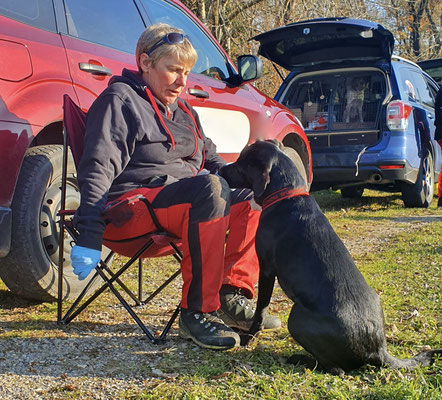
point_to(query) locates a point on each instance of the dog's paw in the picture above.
(245, 339)
(336, 371)
(303, 360)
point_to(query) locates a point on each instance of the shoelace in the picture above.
(209, 319)
(240, 299)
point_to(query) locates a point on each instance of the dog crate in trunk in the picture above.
(339, 107)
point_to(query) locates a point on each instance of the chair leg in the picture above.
(127, 306)
(94, 296)
(60, 273)
(170, 279)
(172, 319)
(114, 277)
(68, 317)
(140, 279)
(76, 308)
(73, 311)
(124, 287)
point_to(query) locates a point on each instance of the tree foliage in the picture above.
(415, 24)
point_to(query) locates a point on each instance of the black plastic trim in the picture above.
(5, 230)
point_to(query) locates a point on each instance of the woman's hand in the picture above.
(84, 260)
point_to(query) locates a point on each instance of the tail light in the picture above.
(398, 113)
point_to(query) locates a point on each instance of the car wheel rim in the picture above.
(428, 178)
(49, 229)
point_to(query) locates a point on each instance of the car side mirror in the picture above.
(249, 67)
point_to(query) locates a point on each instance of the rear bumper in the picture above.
(5, 230)
(365, 174)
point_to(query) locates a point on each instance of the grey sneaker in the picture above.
(207, 330)
(237, 312)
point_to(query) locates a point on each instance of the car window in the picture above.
(38, 13)
(435, 73)
(336, 101)
(433, 90)
(422, 89)
(112, 23)
(211, 61)
(415, 86)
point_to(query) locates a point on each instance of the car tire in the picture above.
(420, 194)
(30, 269)
(352, 192)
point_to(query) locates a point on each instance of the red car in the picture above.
(53, 47)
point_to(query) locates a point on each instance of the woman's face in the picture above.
(167, 78)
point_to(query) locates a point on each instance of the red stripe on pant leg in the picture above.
(212, 236)
(203, 258)
(241, 268)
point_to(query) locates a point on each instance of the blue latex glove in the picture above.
(84, 260)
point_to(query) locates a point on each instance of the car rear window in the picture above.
(337, 100)
(38, 13)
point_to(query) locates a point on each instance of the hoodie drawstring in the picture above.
(187, 111)
(158, 113)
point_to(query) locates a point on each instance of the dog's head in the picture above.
(265, 166)
(358, 84)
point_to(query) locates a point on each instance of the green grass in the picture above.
(399, 252)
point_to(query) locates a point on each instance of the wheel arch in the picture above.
(296, 142)
(50, 134)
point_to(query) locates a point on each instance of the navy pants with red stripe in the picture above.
(202, 210)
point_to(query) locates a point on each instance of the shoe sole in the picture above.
(232, 323)
(233, 326)
(183, 334)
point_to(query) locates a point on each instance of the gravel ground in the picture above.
(106, 357)
(100, 365)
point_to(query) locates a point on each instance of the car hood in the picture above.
(326, 41)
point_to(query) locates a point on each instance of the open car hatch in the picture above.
(326, 41)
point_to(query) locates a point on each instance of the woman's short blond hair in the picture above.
(184, 52)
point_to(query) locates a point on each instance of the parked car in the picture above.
(433, 68)
(369, 115)
(54, 47)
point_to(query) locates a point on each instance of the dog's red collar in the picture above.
(282, 194)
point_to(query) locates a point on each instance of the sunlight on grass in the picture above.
(399, 252)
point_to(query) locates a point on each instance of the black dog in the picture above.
(336, 316)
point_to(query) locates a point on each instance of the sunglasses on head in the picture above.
(170, 38)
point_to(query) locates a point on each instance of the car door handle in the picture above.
(202, 94)
(94, 69)
(430, 116)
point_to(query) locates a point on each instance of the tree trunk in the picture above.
(416, 10)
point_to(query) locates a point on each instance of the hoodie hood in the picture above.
(135, 81)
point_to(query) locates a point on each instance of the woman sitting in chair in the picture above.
(141, 139)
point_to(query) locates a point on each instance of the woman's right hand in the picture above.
(84, 260)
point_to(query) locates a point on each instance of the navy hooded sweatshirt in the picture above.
(132, 140)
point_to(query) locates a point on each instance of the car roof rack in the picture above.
(402, 59)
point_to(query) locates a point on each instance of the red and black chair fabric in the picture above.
(151, 244)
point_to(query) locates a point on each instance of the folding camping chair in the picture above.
(153, 244)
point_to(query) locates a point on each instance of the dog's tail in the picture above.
(424, 359)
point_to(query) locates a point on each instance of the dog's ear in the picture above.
(259, 176)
